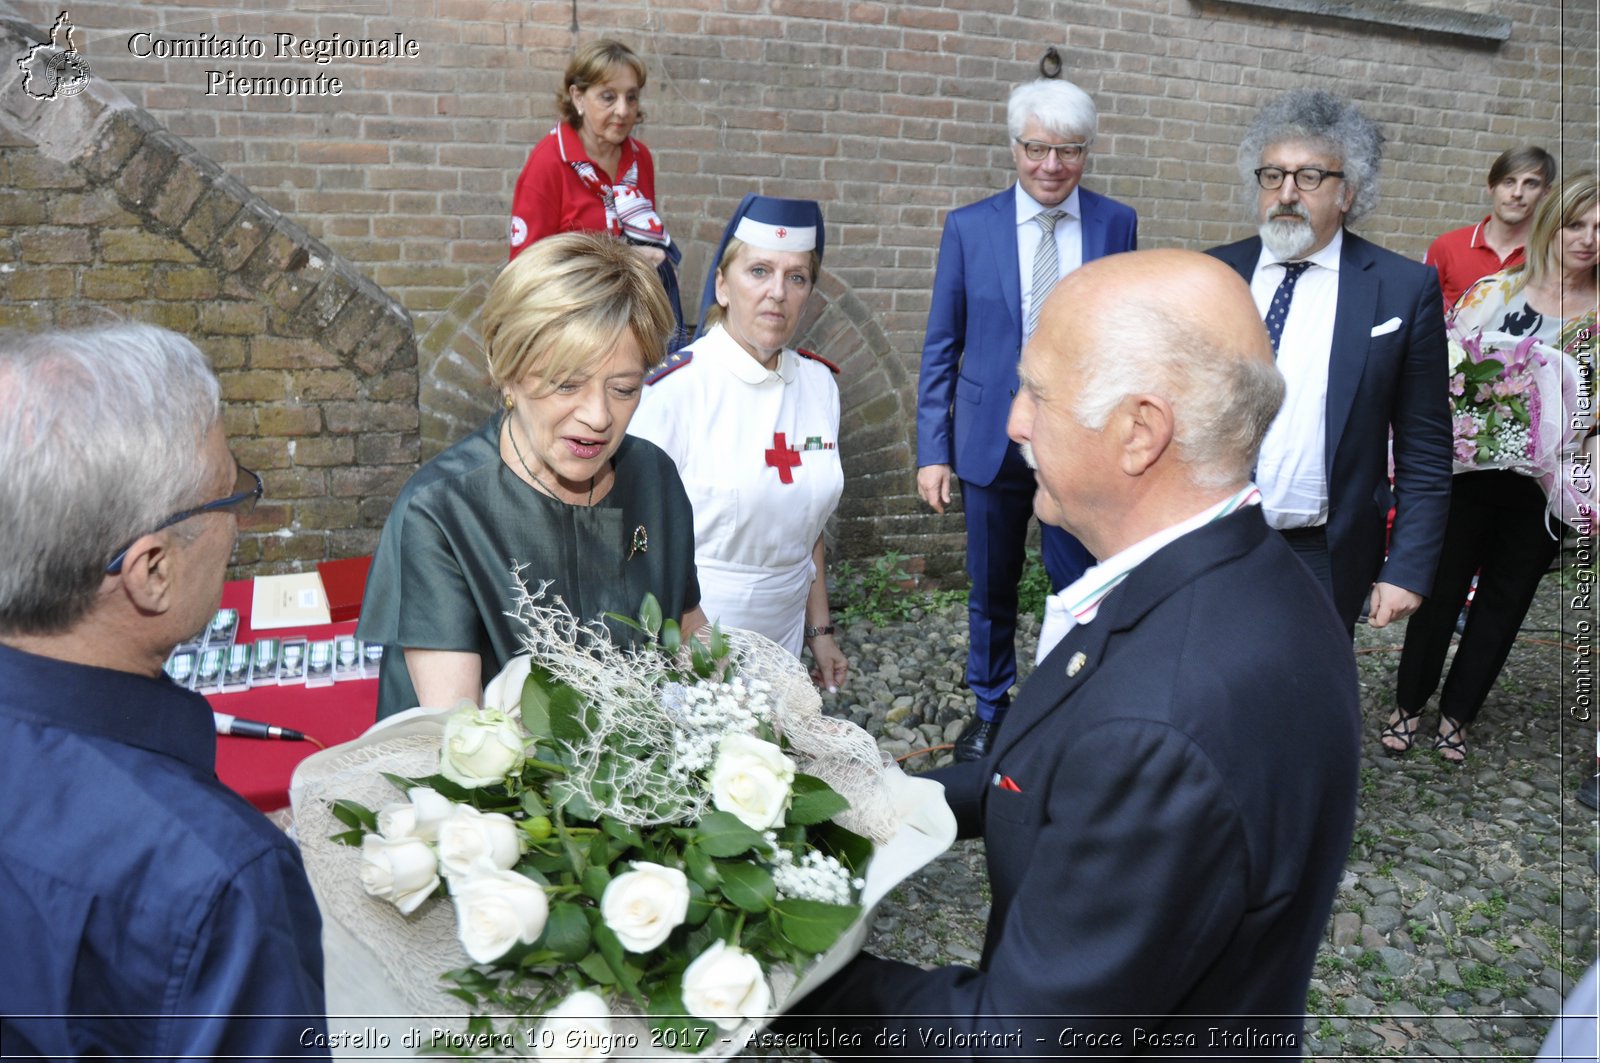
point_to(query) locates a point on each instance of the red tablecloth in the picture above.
(259, 768)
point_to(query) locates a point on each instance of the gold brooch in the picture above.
(1075, 665)
(641, 542)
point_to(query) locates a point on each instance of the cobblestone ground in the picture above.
(1467, 908)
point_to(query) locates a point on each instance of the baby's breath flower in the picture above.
(815, 876)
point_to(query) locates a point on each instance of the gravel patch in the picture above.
(1467, 908)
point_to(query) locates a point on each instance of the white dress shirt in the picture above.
(1069, 240)
(1292, 469)
(1078, 603)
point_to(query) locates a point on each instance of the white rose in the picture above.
(577, 1028)
(471, 841)
(643, 906)
(726, 985)
(751, 780)
(481, 747)
(418, 817)
(504, 691)
(402, 871)
(495, 910)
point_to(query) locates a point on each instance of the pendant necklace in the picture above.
(511, 433)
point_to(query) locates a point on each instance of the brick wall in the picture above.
(889, 113)
(106, 216)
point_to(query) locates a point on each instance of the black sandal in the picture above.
(1406, 738)
(1454, 742)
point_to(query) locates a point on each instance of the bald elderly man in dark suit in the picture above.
(1169, 806)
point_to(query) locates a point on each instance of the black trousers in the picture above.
(1497, 530)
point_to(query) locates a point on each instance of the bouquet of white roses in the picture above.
(648, 833)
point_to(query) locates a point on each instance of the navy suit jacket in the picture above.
(1399, 380)
(974, 338)
(1179, 795)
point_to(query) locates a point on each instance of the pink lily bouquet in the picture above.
(1497, 404)
(1512, 402)
(636, 852)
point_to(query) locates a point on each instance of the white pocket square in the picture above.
(1391, 325)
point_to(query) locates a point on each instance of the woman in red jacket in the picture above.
(590, 174)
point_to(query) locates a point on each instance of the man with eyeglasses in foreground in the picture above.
(150, 911)
(1358, 334)
(998, 259)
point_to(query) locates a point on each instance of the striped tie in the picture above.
(1046, 266)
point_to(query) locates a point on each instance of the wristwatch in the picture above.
(813, 632)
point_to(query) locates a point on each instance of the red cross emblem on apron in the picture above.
(783, 459)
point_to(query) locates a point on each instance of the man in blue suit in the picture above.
(1359, 336)
(998, 259)
(1168, 809)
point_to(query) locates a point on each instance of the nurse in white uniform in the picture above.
(753, 426)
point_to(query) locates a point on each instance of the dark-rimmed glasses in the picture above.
(247, 490)
(1306, 179)
(1036, 150)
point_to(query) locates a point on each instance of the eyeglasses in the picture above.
(1306, 179)
(1036, 150)
(247, 490)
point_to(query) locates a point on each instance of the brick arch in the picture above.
(454, 393)
(876, 401)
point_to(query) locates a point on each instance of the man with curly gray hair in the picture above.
(1359, 337)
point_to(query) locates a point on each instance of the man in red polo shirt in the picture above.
(1518, 179)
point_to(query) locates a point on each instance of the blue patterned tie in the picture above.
(1278, 311)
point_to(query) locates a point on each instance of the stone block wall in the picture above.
(889, 113)
(105, 216)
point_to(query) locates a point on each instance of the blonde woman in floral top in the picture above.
(1498, 525)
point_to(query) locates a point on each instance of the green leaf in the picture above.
(671, 638)
(611, 949)
(446, 788)
(575, 859)
(700, 658)
(348, 837)
(595, 880)
(813, 925)
(650, 614)
(626, 621)
(536, 703)
(597, 970)
(530, 869)
(566, 933)
(749, 886)
(813, 801)
(533, 804)
(719, 642)
(700, 905)
(402, 783)
(721, 924)
(624, 832)
(353, 815)
(721, 834)
(850, 848)
(568, 715)
(574, 804)
(701, 868)
(549, 863)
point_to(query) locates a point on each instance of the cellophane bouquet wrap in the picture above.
(629, 852)
(1514, 405)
